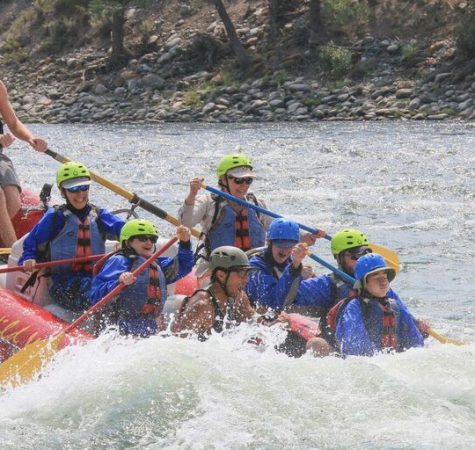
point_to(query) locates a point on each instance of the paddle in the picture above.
(443, 339)
(26, 363)
(57, 262)
(130, 196)
(391, 257)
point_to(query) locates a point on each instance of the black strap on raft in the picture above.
(29, 282)
(45, 194)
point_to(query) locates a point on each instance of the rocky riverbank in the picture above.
(391, 79)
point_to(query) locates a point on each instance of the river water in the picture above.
(409, 186)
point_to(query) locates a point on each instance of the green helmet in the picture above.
(346, 239)
(229, 162)
(227, 258)
(137, 227)
(72, 171)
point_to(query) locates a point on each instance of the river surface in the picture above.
(409, 186)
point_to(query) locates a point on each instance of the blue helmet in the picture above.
(368, 264)
(281, 230)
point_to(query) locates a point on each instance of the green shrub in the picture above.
(336, 60)
(344, 12)
(13, 52)
(192, 99)
(280, 77)
(409, 51)
(228, 78)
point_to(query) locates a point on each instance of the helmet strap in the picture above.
(78, 212)
(224, 285)
(225, 185)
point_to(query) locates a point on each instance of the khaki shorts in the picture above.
(8, 176)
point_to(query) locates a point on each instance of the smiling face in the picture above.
(235, 282)
(143, 245)
(377, 284)
(238, 187)
(281, 254)
(77, 199)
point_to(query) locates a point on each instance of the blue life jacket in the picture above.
(130, 303)
(223, 231)
(65, 244)
(132, 299)
(271, 286)
(359, 326)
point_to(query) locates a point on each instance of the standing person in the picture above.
(223, 303)
(138, 309)
(10, 202)
(223, 222)
(276, 281)
(74, 229)
(370, 321)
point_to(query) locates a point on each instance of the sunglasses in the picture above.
(152, 239)
(355, 255)
(75, 189)
(247, 180)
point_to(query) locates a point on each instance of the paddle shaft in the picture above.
(58, 262)
(119, 287)
(343, 275)
(258, 208)
(391, 257)
(130, 196)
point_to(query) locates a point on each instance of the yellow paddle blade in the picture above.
(26, 363)
(391, 258)
(443, 339)
(5, 251)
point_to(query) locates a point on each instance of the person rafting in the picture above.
(370, 321)
(138, 309)
(273, 287)
(223, 303)
(74, 229)
(10, 188)
(223, 222)
(318, 294)
(276, 281)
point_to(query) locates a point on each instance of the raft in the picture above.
(28, 316)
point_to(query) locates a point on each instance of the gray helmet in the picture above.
(228, 258)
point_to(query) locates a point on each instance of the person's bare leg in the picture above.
(319, 347)
(9, 205)
(13, 198)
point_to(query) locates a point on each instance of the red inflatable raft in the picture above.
(30, 213)
(22, 323)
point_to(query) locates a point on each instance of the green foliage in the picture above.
(312, 102)
(67, 8)
(448, 111)
(280, 76)
(409, 51)
(465, 35)
(344, 12)
(192, 99)
(336, 60)
(13, 52)
(228, 78)
(338, 84)
(24, 21)
(63, 23)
